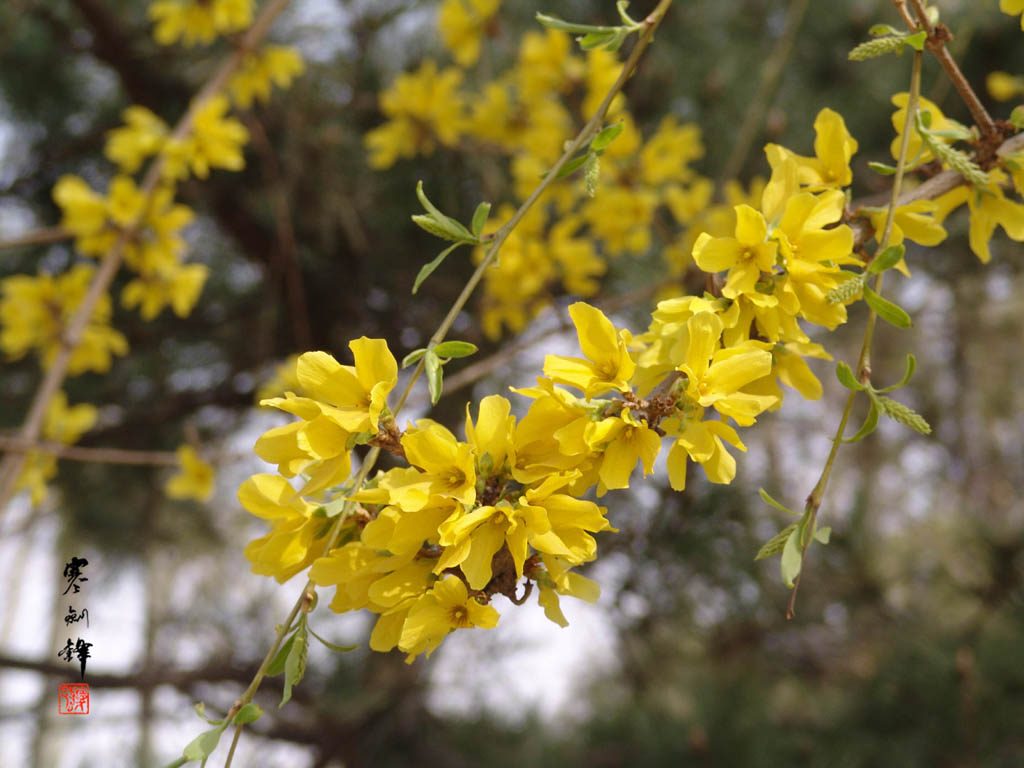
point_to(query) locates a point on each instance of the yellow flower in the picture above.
(423, 108)
(624, 441)
(701, 441)
(1003, 86)
(989, 208)
(215, 141)
(142, 136)
(913, 221)
(198, 21)
(1013, 7)
(462, 24)
(35, 313)
(177, 285)
(448, 464)
(444, 608)
(300, 531)
(745, 256)
(833, 148)
(715, 377)
(194, 481)
(274, 64)
(666, 156)
(607, 365)
(939, 122)
(62, 424)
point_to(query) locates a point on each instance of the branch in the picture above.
(39, 237)
(13, 463)
(97, 455)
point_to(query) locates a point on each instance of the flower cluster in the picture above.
(141, 220)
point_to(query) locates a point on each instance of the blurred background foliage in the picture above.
(909, 637)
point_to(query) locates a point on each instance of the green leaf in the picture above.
(435, 380)
(277, 663)
(553, 22)
(247, 714)
(596, 39)
(441, 229)
(571, 166)
(295, 664)
(769, 500)
(453, 229)
(887, 259)
(869, 424)
(823, 534)
(333, 646)
(452, 349)
(878, 30)
(886, 310)
(916, 41)
(621, 7)
(845, 375)
(480, 218)
(430, 266)
(413, 357)
(925, 118)
(792, 558)
(776, 543)
(882, 168)
(1017, 117)
(911, 366)
(847, 289)
(200, 709)
(203, 745)
(607, 135)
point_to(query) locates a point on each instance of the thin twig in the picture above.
(12, 463)
(938, 36)
(39, 237)
(95, 455)
(863, 370)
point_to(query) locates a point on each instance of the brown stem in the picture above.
(96, 455)
(39, 237)
(938, 36)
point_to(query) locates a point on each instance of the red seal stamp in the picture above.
(73, 699)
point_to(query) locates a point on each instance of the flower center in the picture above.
(458, 616)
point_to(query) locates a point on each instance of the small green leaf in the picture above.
(869, 424)
(848, 289)
(878, 30)
(413, 357)
(886, 310)
(911, 366)
(778, 505)
(295, 664)
(1017, 117)
(595, 40)
(571, 166)
(430, 266)
(553, 22)
(203, 745)
(925, 118)
(887, 259)
(277, 663)
(823, 534)
(333, 646)
(437, 223)
(435, 380)
(621, 7)
(775, 544)
(480, 218)
(247, 714)
(845, 375)
(916, 41)
(607, 135)
(882, 168)
(200, 709)
(452, 349)
(880, 46)
(792, 558)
